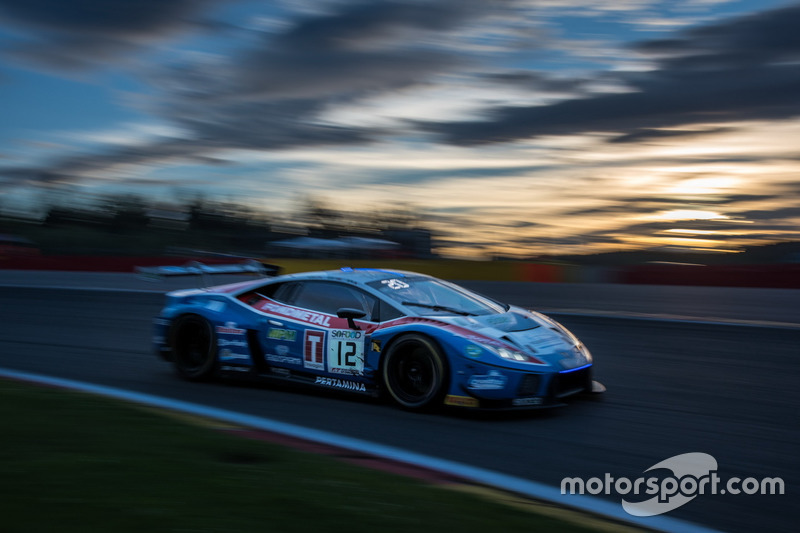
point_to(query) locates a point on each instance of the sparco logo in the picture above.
(345, 334)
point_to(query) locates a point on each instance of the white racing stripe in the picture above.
(531, 489)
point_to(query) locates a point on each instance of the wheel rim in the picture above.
(192, 346)
(413, 375)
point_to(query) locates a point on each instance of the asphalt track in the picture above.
(674, 387)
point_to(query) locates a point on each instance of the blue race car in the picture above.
(419, 340)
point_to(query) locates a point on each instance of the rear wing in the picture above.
(196, 268)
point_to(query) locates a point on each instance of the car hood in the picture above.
(527, 331)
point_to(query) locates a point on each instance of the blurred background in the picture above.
(564, 132)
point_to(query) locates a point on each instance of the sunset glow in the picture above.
(509, 129)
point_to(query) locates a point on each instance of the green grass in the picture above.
(74, 462)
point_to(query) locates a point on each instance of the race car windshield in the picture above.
(438, 308)
(436, 297)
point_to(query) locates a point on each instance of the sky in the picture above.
(511, 127)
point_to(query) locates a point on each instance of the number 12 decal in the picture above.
(346, 358)
(346, 351)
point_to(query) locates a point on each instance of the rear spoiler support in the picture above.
(196, 268)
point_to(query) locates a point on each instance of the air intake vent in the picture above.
(529, 385)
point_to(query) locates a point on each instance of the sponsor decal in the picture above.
(283, 359)
(460, 401)
(281, 349)
(227, 342)
(337, 383)
(346, 352)
(346, 334)
(229, 368)
(473, 352)
(230, 329)
(543, 340)
(395, 284)
(494, 380)
(314, 354)
(282, 334)
(227, 355)
(496, 320)
(376, 346)
(526, 401)
(300, 314)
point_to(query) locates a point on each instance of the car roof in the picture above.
(354, 275)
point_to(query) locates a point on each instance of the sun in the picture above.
(704, 185)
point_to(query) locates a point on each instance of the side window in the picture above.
(281, 292)
(327, 297)
(387, 312)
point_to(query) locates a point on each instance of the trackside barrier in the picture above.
(98, 263)
(765, 276)
(785, 275)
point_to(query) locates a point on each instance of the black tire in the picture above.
(414, 372)
(194, 347)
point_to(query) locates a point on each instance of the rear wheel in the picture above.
(414, 372)
(194, 347)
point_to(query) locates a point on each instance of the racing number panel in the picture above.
(312, 339)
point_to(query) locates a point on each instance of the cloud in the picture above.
(267, 95)
(778, 214)
(371, 24)
(644, 205)
(646, 134)
(364, 47)
(752, 40)
(79, 34)
(271, 95)
(539, 82)
(80, 167)
(735, 70)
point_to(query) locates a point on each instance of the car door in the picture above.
(282, 335)
(342, 348)
(310, 337)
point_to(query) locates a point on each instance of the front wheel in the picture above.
(414, 372)
(194, 347)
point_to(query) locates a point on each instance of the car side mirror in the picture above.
(349, 313)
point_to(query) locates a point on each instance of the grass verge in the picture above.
(74, 462)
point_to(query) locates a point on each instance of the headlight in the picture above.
(579, 358)
(511, 355)
(505, 353)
